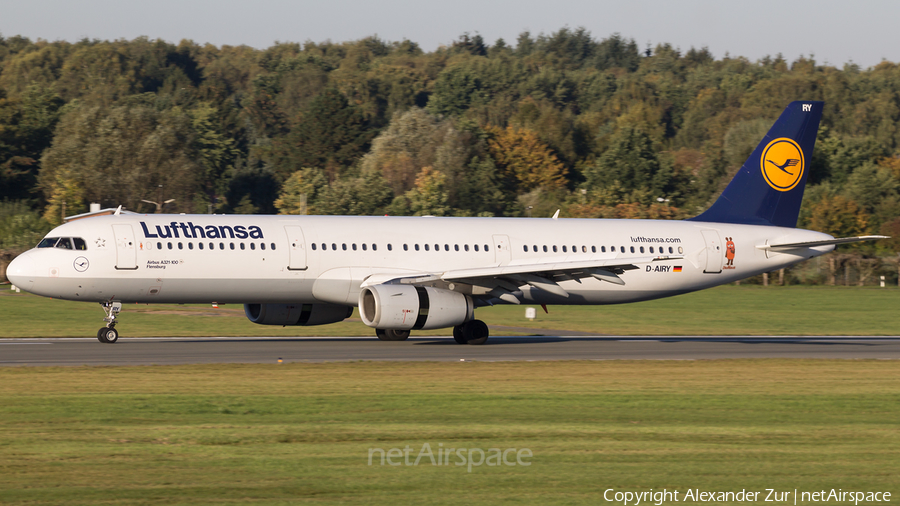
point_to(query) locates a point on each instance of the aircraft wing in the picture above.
(829, 242)
(504, 281)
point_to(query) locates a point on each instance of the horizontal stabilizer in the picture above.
(829, 242)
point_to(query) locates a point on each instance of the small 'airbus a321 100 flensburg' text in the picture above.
(421, 273)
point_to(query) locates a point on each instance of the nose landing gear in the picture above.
(109, 334)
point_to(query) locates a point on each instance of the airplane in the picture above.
(423, 273)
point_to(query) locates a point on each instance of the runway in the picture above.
(149, 351)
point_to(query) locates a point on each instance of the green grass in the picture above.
(727, 310)
(300, 433)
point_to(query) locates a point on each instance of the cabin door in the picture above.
(502, 253)
(296, 248)
(126, 253)
(714, 251)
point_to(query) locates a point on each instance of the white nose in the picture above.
(21, 272)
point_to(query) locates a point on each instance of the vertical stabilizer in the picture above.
(768, 189)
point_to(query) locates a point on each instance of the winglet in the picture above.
(118, 210)
(556, 214)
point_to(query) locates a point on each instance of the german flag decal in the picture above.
(677, 268)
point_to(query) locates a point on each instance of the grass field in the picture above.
(301, 433)
(726, 310)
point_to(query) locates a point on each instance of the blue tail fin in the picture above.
(769, 187)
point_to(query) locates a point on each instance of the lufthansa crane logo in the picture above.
(782, 164)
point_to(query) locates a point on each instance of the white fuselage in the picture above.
(308, 259)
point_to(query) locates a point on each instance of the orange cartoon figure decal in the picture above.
(729, 252)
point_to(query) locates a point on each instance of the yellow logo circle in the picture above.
(782, 164)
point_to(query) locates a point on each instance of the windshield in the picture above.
(63, 243)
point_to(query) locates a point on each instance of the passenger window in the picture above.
(222, 245)
(437, 247)
(534, 248)
(344, 246)
(405, 247)
(651, 249)
(642, 249)
(417, 247)
(390, 248)
(180, 246)
(622, 249)
(545, 248)
(584, 249)
(632, 249)
(159, 245)
(324, 247)
(79, 243)
(314, 246)
(680, 250)
(594, 249)
(456, 247)
(353, 246)
(554, 248)
(253, 245)
(486, 248)
(426, 247)
(670, 249)
(262, 246)
(273, 245)
(525, 248)
(190, 245)
(602, 249)
(200, 245)
(170, 245)
(334, 246)
(564, 249)
(374, 247)
(242, 246)
(212, 246)
(476, 247)
(231, 244)
(446, 247)
(466, 247)
(364, 247)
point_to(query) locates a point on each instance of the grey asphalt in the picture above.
(148, 351)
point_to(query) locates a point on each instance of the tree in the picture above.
(300, 192)
(631, 162)
(428, 197)
(522, 157)
(120, 155)
(331, 134)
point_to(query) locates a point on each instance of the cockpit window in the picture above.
(76, 243)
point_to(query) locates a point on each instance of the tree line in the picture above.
(595, 127)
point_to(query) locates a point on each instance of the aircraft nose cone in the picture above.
(21, 271)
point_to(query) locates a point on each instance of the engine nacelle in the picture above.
(405, 307)
(296, 314)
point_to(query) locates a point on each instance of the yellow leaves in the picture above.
(66, 198)
(520, 155)
(839, 216)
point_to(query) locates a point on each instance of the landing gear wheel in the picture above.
(108, 335)
(392, 335)
(458, 335)
(475, 332)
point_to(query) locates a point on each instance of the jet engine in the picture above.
(405, 307)
(296, 314)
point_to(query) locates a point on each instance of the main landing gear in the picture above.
(109, 334)
(392, 335)
(471, 332)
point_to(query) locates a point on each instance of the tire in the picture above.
(392, 335)
(458, 335)
(476, 332)
(101, 335)
(110, 335)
